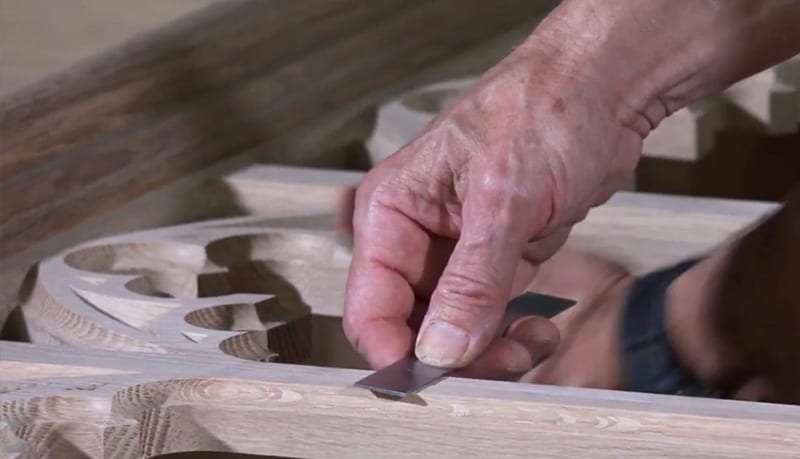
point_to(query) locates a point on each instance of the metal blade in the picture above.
(408, 376)
(404, 377)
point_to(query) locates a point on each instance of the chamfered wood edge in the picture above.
(185, 391)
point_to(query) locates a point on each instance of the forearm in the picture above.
(735, 318)
(654, 57)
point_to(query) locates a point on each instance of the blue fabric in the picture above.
(649, 363)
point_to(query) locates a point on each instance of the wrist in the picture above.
(650, 59)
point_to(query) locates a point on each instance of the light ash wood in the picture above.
(769, 99)
(238, 286)
(688, 134)
(191, 401)
(136, 373)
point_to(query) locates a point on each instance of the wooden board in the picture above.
(171, 340)
(101, 404)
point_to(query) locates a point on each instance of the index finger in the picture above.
(390, 270)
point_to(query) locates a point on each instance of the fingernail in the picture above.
(442, 344)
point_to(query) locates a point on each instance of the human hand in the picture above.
(586, 350)
(711, 321)
(597, 286)
(450, 227)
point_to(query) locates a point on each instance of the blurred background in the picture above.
(106, 102)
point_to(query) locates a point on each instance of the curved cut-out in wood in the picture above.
(273, 333)
(179, 352)
(168, 268)
(133, 292)
(240, 317)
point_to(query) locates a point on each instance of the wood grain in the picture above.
(769, 100)
(221, 81)
(208, 404)
(152, 294)
(195, 197)
(175, 336)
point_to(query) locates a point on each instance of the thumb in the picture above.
(470, 299)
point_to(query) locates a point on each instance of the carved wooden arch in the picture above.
(233, 286)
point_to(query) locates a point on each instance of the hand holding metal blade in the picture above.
(408, 376)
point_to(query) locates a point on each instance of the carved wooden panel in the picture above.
(224, 336)
(230, 287)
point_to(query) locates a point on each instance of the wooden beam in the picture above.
(641, 230)
(217, 82)
(97, 404)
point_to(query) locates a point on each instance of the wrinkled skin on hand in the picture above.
(457, 222)
(731, 318)
(577, 347)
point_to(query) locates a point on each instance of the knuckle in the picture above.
(505, 184)
(467, 296)
(498, 177)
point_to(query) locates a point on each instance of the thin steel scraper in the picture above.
(408, 376)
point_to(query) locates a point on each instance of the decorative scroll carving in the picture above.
(247, 291)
